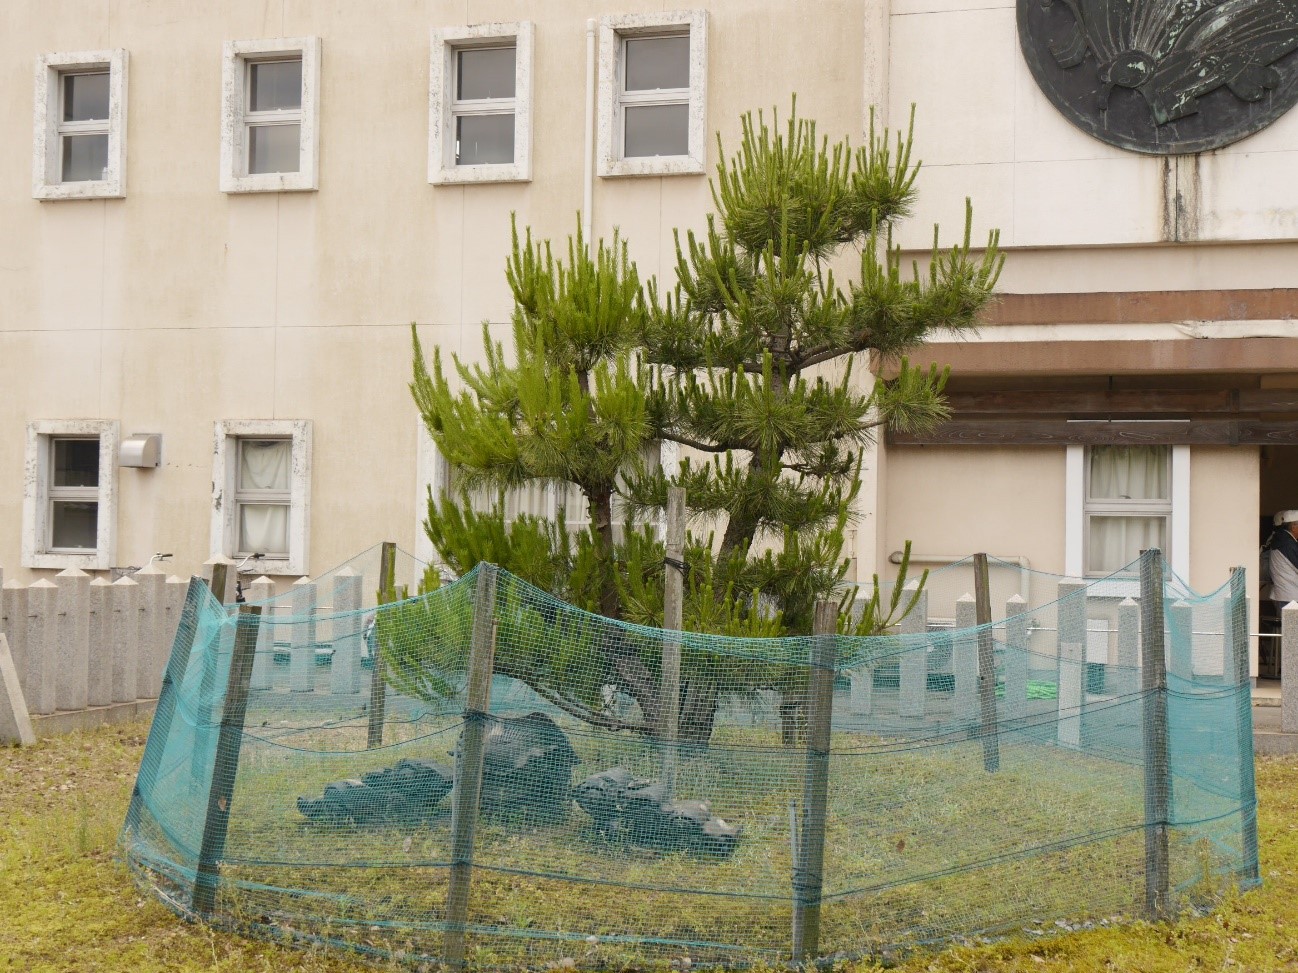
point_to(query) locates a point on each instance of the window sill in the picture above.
(472, 175)
(89, 561)
(98, 189)
(271, 182)
(658, 165)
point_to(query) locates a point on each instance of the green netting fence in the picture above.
(408, 780)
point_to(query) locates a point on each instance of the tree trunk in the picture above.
(698, 712)
(793, 717)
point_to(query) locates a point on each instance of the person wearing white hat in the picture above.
(1282, 558)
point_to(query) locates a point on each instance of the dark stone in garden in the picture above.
(636, 809)
(406, 793)
(527, 769)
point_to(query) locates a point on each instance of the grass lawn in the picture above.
(66, 904)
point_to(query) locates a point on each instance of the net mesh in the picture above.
(863, 795)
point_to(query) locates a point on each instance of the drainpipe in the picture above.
(588, 174)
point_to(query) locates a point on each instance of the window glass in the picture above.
(482, 139)
(657, 62)
(1130, 472)
(85, 97)
(85, 157)
(263, 528)
(76, 463)
(274, 148)
(275, 85)
(1114, 542)
(656, 130)
(75, 524)
(484, 73)
(264, 464)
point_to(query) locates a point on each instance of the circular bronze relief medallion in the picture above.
(1164, 76)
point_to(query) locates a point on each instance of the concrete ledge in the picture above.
(69, 721)
(1275, 744)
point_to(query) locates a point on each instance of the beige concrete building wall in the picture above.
(180, 305)
(950, 502)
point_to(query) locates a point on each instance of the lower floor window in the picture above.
(261, 484)
(70, 498)
(73, 522)
(1120, 500)
(1128, 504)
(263, 496)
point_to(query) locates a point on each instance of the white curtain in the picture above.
(264, 466)
(1121, 473)
(263, 528)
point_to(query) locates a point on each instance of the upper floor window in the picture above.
(70, 502)
(273, 116)
(652, 94)
(270, 115)
(80, 143)
(480, 104)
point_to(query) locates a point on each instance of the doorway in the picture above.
(1278, 483)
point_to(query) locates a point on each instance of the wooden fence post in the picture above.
(986, 666)
(1239, 674)
(808, 875)
(1153, 683)
(468, 764)
(673, 621)
(378, 687)
(225, 766)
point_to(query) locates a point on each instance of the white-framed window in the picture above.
(1125, 499)
(79, 150)
(480, 104)
(270, 115)
(261, 492)
(653, 94)
(70, 494)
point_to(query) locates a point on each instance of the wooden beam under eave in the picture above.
(1019, 359)
(1062, 432)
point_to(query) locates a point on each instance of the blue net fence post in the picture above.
(217, 586)
(378, 691)
(468, 764)
(216, 822)
(986, 666)
(808, 876)
(1157, 763)
(1238, 655)
(177, 663)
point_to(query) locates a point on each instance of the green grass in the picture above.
(66, 904)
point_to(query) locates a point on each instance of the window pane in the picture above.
(76, 463)
(85, 157)
(656, 130)
(1113, 542)
(263, 528)
(264, 464)
(1130, 472)
(657, 62)
(484, 73)
(275, 85)
(85, 97)
(274, 148)
(481, 139)
(75, 524)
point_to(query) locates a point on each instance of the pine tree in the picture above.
(756, 353)
(748, 359)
